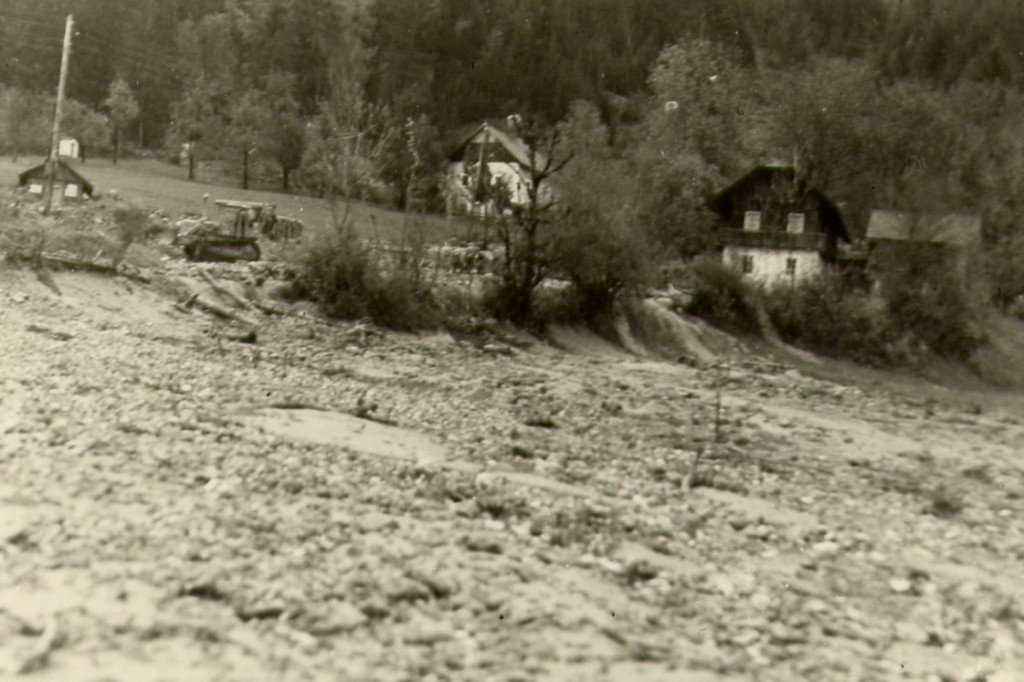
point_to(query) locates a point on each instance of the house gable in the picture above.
(65, 175)
(487, 159)
(494, 145)
(781, 201)
(774, 228)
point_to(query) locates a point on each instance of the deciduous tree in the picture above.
(122, 109)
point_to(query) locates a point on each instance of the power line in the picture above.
(156, 68)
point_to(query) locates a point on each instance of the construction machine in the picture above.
(238, 238)
(262, 218)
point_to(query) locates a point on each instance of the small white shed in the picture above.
(69, 147)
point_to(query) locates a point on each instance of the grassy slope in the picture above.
(155, 184)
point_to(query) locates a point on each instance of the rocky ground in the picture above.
(333, 502)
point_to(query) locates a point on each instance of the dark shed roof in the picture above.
(516, 148)
(831, 218)
(950, 229)
(65, 173)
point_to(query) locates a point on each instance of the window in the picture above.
(71, 190)
(747, 264)
(791, 266)
(796, 223)
(752, 221)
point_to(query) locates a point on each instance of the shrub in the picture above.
(132, 226)
(348, 281)
(822, 315)
(928, 301)
(938, 315)
(721, 297)
(945, 503)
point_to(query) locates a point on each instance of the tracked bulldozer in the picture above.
(238, 238)
(204, 240)
(262, 219)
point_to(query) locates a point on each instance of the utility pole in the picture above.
(51, 169)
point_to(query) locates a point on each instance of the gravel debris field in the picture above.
(334, 502)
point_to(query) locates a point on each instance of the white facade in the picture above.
(69, 147)
(462, 179)
(773, 266)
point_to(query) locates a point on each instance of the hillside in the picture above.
(337, 502)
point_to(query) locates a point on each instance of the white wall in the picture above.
(68, 146)
(770, 264)
(461, 190)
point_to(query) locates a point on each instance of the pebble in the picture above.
(427, 631)
(342, 618)
(722, 584)
(900, 585)
(407, 591)
(825, 549)
(911, 632)
(785, 635)
(485, 543)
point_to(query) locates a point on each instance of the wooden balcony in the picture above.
(814, 241)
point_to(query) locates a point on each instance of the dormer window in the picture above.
(795, 225)
(752, 221)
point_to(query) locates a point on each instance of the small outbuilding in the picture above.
(68, 183)
(69, 147)
(774, 228)
(950, 240)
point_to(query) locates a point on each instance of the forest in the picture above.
(912, 104)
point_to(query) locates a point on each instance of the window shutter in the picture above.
(752, 221)
(796, 223)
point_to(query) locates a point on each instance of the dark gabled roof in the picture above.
(516, 148)
(950, 229)
(64, 173)
(831, 218)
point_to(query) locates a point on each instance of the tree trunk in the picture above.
(285, 172)
(245, 169)
(117, 142)
(191, 164)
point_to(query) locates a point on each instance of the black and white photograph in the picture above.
(512, 340)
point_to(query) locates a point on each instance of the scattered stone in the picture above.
(440, 584)
(721, 584)
(404, 590)
(424, 631)
(738, 523)
(484, 543)
(785, 636)
(340, 619)
(375, 608)
(375, 522)
(825, 549)
(900, 585)
(911, 632)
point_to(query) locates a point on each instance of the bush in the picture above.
(132, 225)
(939, 315)
(348, 281)
(723, 298)
(822, 315)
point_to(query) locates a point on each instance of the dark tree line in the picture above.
(458, 61)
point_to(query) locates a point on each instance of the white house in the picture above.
(775, 229)
(489, 173)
